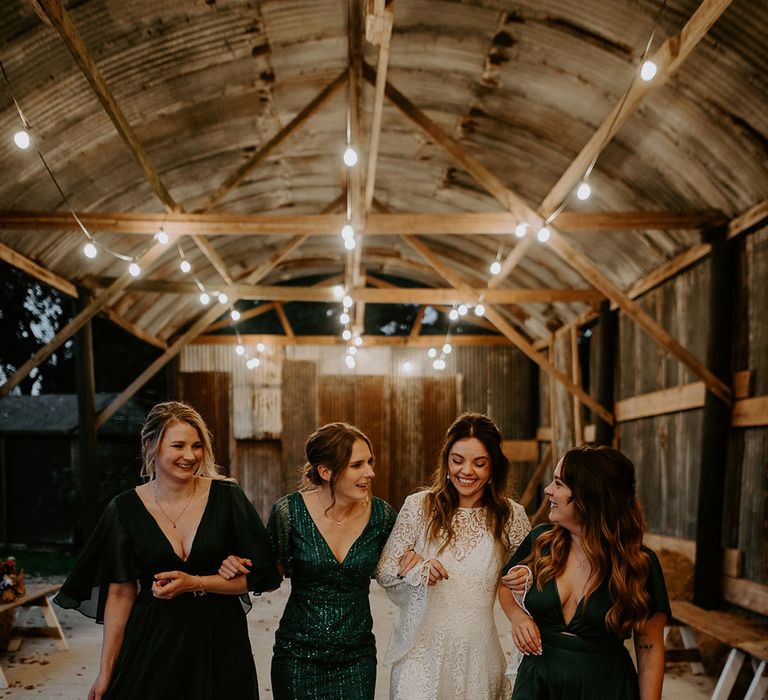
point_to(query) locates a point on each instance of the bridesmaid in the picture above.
(327, 538)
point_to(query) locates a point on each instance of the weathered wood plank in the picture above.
(750, 412)
(678, 398)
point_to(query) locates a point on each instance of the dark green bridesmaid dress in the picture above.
(581, 660)
(324, 646)
(191, 647)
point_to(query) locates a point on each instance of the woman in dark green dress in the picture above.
(173, 628)
(328, 538)
(590, 584)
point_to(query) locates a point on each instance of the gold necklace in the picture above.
(339, 522)
(162, 510)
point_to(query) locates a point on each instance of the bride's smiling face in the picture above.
(469, 469)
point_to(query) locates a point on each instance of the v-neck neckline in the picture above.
(162, 532)
(322, 537)
(562, 610)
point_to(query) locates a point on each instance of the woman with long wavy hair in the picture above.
(592, 585)
(441, 566)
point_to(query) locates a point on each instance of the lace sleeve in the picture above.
(518, 527)
(409, 525)
(279, 534)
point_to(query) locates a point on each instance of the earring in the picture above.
(448, 477)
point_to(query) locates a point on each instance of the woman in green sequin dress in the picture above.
(592, 584)
(327, 539)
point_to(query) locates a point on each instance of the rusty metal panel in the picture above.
(256, 466)
(299, 411)
(565, 436)
(407, 446)
(209, 393)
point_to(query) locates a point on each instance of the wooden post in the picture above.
(606, 359)
(89, 510)
(717, 415)
(172, 384)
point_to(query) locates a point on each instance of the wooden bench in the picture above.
(746, 639)
(35, 597)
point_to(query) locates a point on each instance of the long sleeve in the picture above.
(518, 527)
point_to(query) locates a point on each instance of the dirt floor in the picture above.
(39, 670)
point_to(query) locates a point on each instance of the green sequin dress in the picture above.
(582, 660)
(324, 646)
(191, 647)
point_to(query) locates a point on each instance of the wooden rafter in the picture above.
(668, 59)
(284, 322)
(379, 224)
(244, 316)
(416, 327)
(506, 328)
(37, 271)
(420, 341)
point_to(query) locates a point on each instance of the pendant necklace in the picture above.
(162, 510)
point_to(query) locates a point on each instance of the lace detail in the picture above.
(445, 643)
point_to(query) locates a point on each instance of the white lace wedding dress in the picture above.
(445, 645)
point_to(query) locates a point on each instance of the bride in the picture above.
(441, 567)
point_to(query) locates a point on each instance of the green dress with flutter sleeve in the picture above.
(324, 646)
(191, 647)
(581, 660)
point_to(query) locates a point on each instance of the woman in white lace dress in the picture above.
(441, 567)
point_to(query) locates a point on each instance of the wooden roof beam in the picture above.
(513, 334)
(420, 341)
(33, 269)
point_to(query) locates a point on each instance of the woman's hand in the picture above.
(234, 566)
(525, 633)
(169, 584)
(99, 687)
(516, 579)
(410, 559)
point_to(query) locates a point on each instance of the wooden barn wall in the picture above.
(667, 448)
(405, 413)
(258, 471)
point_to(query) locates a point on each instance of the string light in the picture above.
(161, 236)
(432, 352)
(447, 348)
(338, 291)
(22, 140)
(223, 298)
(344, 318)
(479, 310)
(134, 269)
(584, 191)
(347, 301)
(239, 349)
(407, 367)
(90, 250)
(204, 298)
(347, 232)
(462, 310)
(495, 267)
(521, 230)
(346, 334)
(349, 243)
(439, 364)
(350, 157)
(358, 341)
(253, 363)
(351, 350)
(184, 266)
(648, 71)
(261, 347)
(234, 315)
(543, 234)
(453, 315)
(350, 361)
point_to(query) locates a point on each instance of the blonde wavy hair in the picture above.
(602, 482)
(442, 499)
(159, 419)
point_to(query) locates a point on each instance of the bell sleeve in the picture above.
(109, 556)
(253, 543)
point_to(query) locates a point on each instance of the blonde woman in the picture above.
(592, 584)
(172, 626)
(441, 566)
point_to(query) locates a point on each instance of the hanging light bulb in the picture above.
(439, 364)
(338, 291)
(350, 157)
(584, 191)
(358, 341)
(495, 267)
(347, 231)
(344, 318)
(90, 250)
(432, 352)
(407, 367)
(351, 350)
(447, 348)
(453, 315)
(480, 310)
(648, 71)
(261, 347)
(134, 269)
(161, 236)
(204, 298)
(543, 234)
(239, 349)
(185, 266)
(350, 361)
(349, 243)
(521, 230)
(462, 309)
(346, 334)
(347, 301)
(223, 298)
(253, 363)
(234, 315)
(22, 140)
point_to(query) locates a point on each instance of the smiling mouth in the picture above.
(465, 482)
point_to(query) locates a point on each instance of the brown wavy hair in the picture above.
(330, 446)
(602, 482)
(442, 499)
(159, 419)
